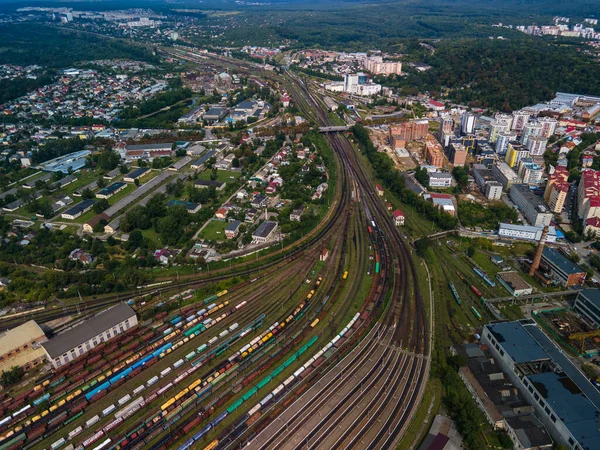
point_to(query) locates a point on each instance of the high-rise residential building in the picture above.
(557, 189)
(502, 141)
(433, 153)
(549, 125)
(411, 130)
(531, 206)
(515, 153)
(588, 194)
(376, 65)
(486, 181)
(467, 123)
(520, 118)
(530, 172)
(507, 117)
(505, 175)
(498, 126)
(446, 125)
(457, 154)
(530, 129)
(536, 145)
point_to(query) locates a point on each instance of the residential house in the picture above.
(232, 229)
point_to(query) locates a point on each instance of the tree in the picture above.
(422, 176)
(461, 175)
(12, 376)
(156, 206)
(100, 205)
(136, 240)
(101, 182)
(422, 245)
(108, 160)
(87, 194)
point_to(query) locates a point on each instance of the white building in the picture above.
(536, 145)
(520, 118)
(376, 65)
(498, 126)
(503, 139)
(467, 124)
(549, 125)
(526, 232)
(530, 129)
(83, 337)
(440, 180)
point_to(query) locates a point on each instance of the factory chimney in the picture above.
(538, 252)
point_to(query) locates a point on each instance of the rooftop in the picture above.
(17, 337)
(137, 172)
(87, 330)
(111, 189)
(151, 147)
(205, 158)
(265, 229)
(558, 259)
(573, 408)
(530, 196)
(513, 280)
(593, 295)
(530, 431)
(79, 207)
(233, 225)
(517, 342)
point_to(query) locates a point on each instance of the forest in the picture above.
(55, 48)
(500, 74)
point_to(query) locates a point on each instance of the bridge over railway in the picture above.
(333, 129)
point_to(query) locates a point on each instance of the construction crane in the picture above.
(583, 337)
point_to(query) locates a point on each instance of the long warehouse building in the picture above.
(83, 337)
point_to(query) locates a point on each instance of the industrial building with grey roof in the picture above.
(83, 337)
(563, 397)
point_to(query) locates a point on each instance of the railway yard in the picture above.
(298, 352)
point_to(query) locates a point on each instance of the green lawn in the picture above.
(222, 175)
(214, 231)
(83, 180)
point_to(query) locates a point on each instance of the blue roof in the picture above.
(561, 261)
(233, 225)
(137, 172)
(517, 342)
(108, 190)
(205, 157)
(593, 295)
(187, 205)
(73, 161)
(573, 408)
(79, 207)
(569, 393)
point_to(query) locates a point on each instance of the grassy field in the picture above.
(222, 175)
(111, 201)
(214, 231)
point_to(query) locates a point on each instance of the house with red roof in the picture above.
(435, 105)
(398, 217)
(592, 225)
(221, 213)
(379, 190)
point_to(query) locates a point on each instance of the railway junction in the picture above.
(296, 352)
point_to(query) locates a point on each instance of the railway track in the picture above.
(395, 388)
